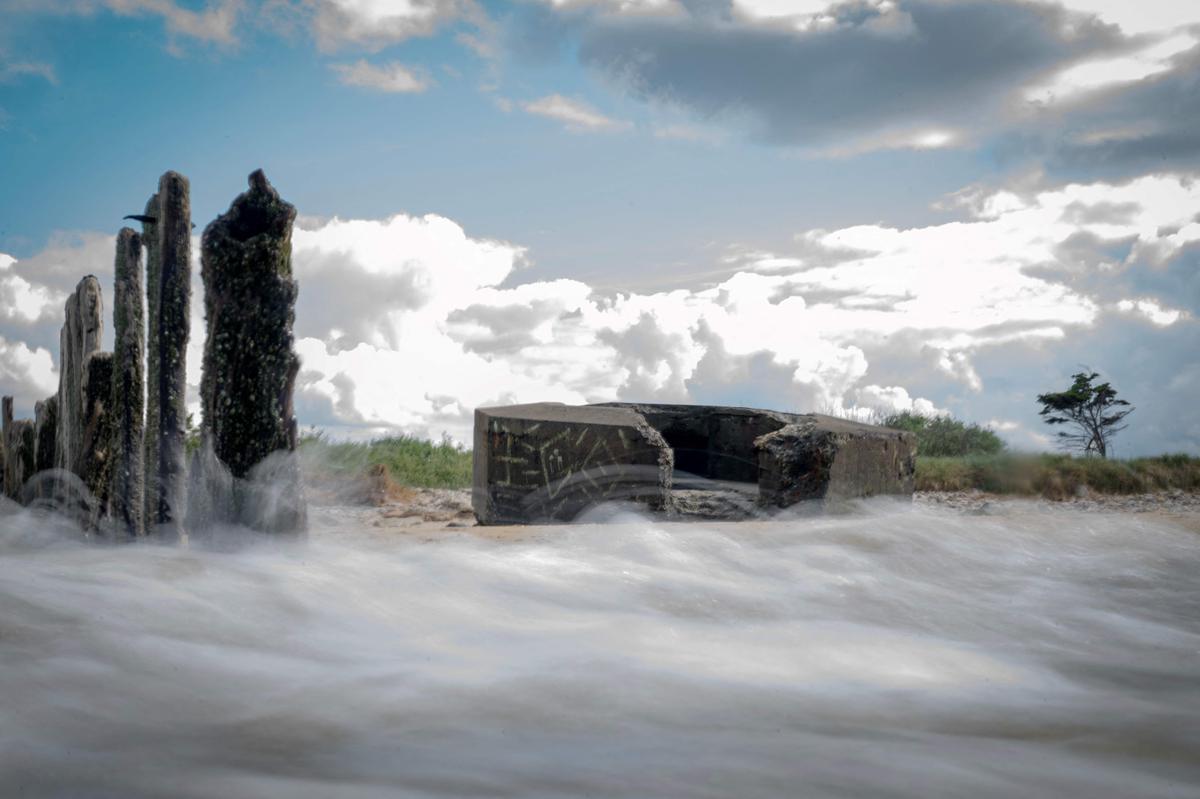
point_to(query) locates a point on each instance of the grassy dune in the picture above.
(401, 460)
(406, 461)
(1057, 476)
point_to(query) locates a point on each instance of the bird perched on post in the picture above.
(147, 219)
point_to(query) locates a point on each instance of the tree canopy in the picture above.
(1091, 412)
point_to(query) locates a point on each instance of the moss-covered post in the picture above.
(80, 337)
(150, 431)
(126, 496)
(250, 365)
(6, 420)
(97, 434)
(7, 453)
(167, 234)
(16, 454)
(45, 429)
(45, 433)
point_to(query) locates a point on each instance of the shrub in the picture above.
(945, 436)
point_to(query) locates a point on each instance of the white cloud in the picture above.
(575, 114)
(11, 71)
(887, 20)
(775, 9)
(1151, 310)
(215, 22)
(409, 323)
(872, 400)
(1090, 76)
(392, 77)
(963, 286)
(904, 138)
(212, 22)
(375, 24)
(26, 374)
(21, 300)
(621, 6)
(1143, 16)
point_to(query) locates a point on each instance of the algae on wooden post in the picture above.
(16, 454)
(80, 337)
(250, 365)
(6, 453)
(126, 496)
(45, 430)
(167, 233)
(45, 435)
(150, 430)
(96, 434)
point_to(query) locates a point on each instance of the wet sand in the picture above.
(437, 513)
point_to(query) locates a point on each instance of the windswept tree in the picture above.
(1092, 414)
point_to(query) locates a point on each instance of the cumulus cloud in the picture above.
(1131, 128)
(27, 375)
(895, 319)
(391, 77)
(1144, 16)
(11, 71)
(1090, 76)
(907, 73)
(34, 290)
(409, 323)
(375, 24)
(1091, 89)
(215, 22)
(576, 115)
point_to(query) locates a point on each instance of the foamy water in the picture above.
(892, 654)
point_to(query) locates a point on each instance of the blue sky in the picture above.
(793, 204)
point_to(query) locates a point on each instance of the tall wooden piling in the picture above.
(250, 364)
(80, 337)
(127, 493)
(167, 233)
(16, 454)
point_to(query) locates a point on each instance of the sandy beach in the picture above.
(435, 513)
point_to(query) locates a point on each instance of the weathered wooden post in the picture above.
(96, 435)
(167, 233)
(250, 365)
(80, 337)
(16, 455)
(45, 442)
(127, 494)
(45, 433)
(6, 421)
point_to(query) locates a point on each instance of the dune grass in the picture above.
(418, 463)
(1057, 476)
(407, 460)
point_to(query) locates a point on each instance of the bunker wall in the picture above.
(548, 463)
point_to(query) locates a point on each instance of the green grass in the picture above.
(409, 461)
(1057, 476)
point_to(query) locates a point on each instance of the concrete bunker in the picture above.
(548, 462)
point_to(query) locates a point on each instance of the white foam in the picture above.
(892, 653)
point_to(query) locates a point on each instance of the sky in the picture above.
(853, 207)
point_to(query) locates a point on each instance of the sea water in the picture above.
(888, 653)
